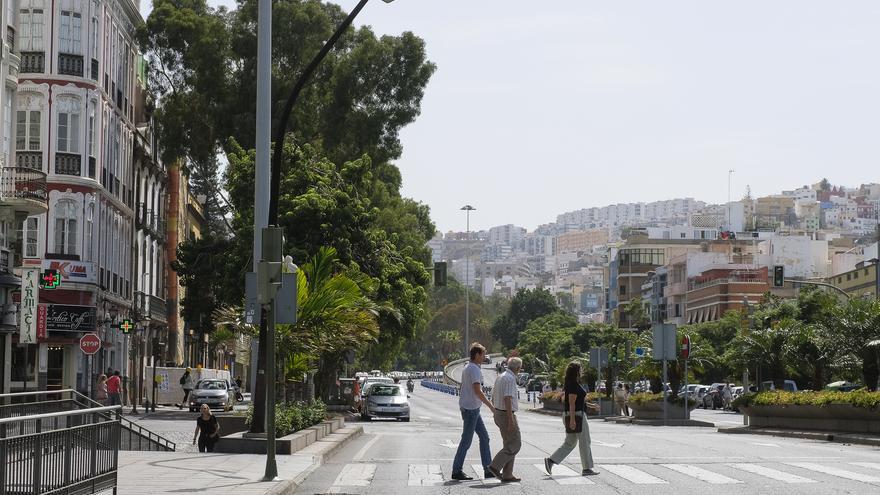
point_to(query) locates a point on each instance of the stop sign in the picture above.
(90, 343)
(685, 346)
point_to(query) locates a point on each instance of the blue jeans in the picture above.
(473, 423)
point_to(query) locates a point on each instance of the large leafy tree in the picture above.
(856, 330)
(526, 305)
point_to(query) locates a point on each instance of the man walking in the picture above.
(186, 382)
(114, 387)
(470, 397)
(505, 402)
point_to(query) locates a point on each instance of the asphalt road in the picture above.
(416, 457)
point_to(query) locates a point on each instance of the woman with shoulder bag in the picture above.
(575, 418)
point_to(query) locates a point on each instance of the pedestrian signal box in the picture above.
(778, 276)
(440, 274)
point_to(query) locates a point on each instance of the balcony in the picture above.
(10, 38)
(29, 159)
(70, 65)
(68, 164)
(150, 221)
(24, 189)
(151, 307)
(33, 63)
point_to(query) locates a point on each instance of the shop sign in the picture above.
(66, 318)
(30, 297)
(73, 271)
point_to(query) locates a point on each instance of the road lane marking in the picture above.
(366, 448)
(478, 469)
(356, 475)
(701, 474)
(425, 475)
(773, 474)
(840, 473)
(565, 475)
(632, 474)
(870, 465)
(612, 445)
(449, 445)
(765, 444)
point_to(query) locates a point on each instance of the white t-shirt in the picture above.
(505, 386)
(471, 374)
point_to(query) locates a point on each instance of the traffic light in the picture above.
(778, 276)
(440, 274)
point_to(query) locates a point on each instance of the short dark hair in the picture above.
(116, 373)
(477, 348)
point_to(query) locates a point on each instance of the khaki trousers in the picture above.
(512, 442)
(582, 440)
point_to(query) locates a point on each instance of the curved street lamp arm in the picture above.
(288, 107)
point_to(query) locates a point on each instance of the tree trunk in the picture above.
(870, 370)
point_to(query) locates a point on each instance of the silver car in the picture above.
(215, 392)
(386, 401)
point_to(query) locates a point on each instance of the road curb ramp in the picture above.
(320, 451)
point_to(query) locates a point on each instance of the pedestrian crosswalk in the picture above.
(360, 474)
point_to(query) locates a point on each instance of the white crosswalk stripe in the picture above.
(425, 475)
(833, 471)
(565, 475)
(773, 474)
(356, 475)
(870, 465)
(701, 474)
(632, 474)
(480, 475)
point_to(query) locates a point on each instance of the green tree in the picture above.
(526, 305)
(855, 326)
(548, 339)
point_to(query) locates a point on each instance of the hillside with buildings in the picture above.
(691, 261)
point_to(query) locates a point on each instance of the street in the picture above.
(416, 457)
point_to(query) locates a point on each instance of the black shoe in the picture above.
(548, 465)
(491, 472)
(588, 472)
(460, 476)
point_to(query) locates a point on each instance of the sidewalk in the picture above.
(825, 436)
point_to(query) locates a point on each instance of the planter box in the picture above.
(654, 410)
(239, 443)
(833, 417)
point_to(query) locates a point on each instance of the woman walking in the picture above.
(101, 390)
(576, 430)
(207, 430)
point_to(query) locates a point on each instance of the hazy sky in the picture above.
(538, 108)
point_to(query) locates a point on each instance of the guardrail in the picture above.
(131, 436)
(440, 387)
(80, 457)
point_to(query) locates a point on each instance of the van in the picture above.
(788, 385)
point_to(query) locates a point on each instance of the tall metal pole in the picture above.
(467, 273)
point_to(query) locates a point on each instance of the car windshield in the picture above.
(385, 390)
(211, 385)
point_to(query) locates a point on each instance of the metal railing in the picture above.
(131, 436)
(23, 183)
(80, 457)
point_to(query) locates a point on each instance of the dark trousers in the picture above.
(185, 402)
(206, 443)
(114, 398)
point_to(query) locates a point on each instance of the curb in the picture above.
(319, 451)
(822, 436)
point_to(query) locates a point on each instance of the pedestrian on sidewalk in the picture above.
(726, 396)
(626, 400)
(114, 387)
(469, 399)
(505, 402)
(620, 399)
(207, 430)
(186, 382)
(575, 418)
(101, 390)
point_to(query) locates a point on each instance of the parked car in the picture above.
(536, 383)
(217, 393)
(843, 386)
(789, 385)
(385, 400)
(370, 381)
(522, 379)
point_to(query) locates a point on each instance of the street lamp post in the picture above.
(273, 174)
(467, 273)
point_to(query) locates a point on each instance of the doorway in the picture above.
(55, 368)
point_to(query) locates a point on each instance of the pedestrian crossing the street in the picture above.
(358, 474)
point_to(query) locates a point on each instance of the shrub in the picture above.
(295, 416)
(858, 398)
(558, 396)
(642, 398)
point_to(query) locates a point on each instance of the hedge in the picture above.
(557, 396)
(858, 398)
(295, 416)
(644, 397)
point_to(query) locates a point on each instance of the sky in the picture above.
(538, 108)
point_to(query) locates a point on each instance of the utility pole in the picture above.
(467, 273)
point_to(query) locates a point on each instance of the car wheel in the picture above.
(405, 420)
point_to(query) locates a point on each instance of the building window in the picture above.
(31, 236)
(65, 227)
(87, 239)
(92, 131)
(7, 123)
(30, 22)
(27, 130)
(70, 33)
(68, 126)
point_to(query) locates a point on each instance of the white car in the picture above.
(386, 400)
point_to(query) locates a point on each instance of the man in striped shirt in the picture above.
(504, 399)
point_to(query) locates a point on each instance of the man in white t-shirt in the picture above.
(505, 402)
(469, 399)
